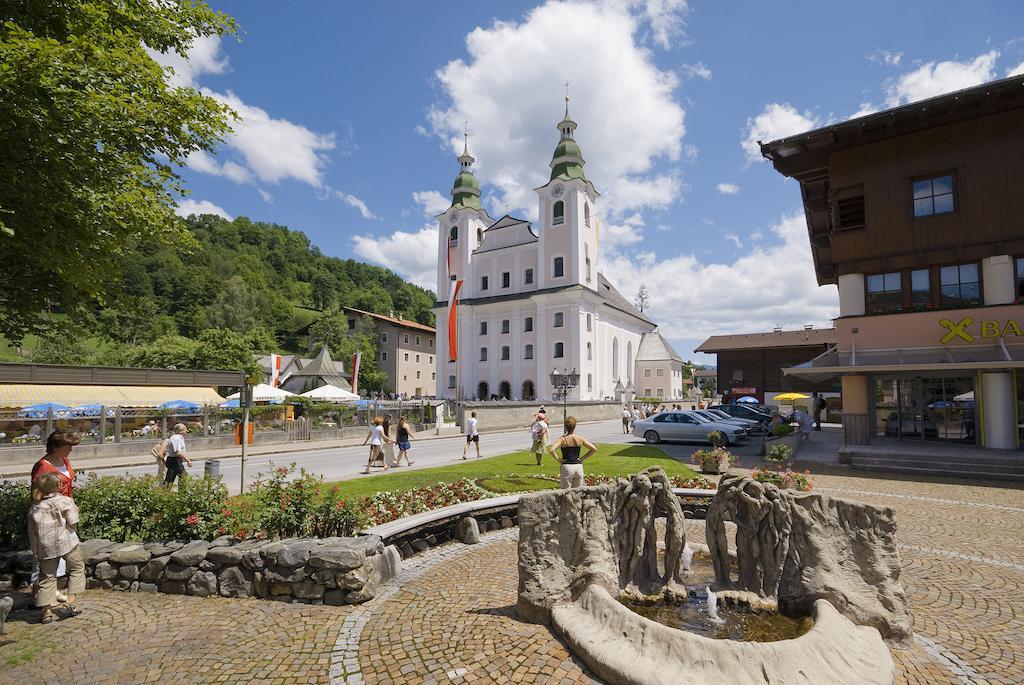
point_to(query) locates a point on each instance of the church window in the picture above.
(559, 267)
(483, 354)
(453, 236)
(483, 328)
(590, 381)
(479, 236)
(559, 214)
(559, 319)
(528, 277)
(506, 353)
(559, 350)
(586, 214)
(506, 279)
(528, 352)
(484, 282)
(647, 373)
(588, 269)
(505, 326)
(590, 351)
(528, 324)
(454, 277)
(661, 372)
(589, 323)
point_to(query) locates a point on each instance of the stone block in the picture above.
(134, 554)
(6, 562)
(420, 545)
(308, 590)
(146, 587)
(206, 565)
(334, 597)
(469, 530)
(175, 571)
(224, 541)
(406, 550)
(6, 585)
(225, 556)
(159, 549)
(327, 577)
(6, 604)
(430, 540)
(105, 571)
(260, 586)
(390, 563)
(202, 584)
(23, 561)
(492, 524)
(129, 571)
(354, 579)
(123, 585)
(154, 568)
(235, 582)
(285, 576)
(93, 546)
(342, 556)
(191, 554)
(505, 522)
(280, 589)
(173, 587)
(270, 551)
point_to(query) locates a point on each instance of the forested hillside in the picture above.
(261, 281)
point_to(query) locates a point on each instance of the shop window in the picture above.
(885, 293)
(920, 288)
(960, 285)
(933, 196)
(1020, 280)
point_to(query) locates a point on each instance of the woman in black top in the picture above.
(570, 473)
(403, 437)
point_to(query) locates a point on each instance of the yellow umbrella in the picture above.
(791, 396)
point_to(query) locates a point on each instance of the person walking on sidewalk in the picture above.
(539, 433)
(570, 473)
(404, 436)
(472, 435)
(52, 525)
(159, 453)
(175, 456)
(627, 419)
(58, 448)
(387, 454)
(819, 406)
(377, 439)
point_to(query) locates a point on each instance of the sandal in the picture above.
(72, 608)
(47, 617)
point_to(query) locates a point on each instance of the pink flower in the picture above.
(192, 519)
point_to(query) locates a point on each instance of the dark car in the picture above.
(745, 411)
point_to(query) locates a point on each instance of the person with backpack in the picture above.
(539, 433)
(159, 453)
(52, 525)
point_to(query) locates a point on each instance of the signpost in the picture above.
(245, 402)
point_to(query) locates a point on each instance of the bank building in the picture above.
(532, 299)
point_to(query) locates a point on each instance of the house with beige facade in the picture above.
(532, 298)
(405, 352)
(660, 369)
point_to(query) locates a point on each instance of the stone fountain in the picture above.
(582, 550)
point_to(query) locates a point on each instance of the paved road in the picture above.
(343, 463)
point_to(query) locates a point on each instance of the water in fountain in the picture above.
(713, 607)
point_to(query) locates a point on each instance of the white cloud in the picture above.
(411, 255)
(353, 201)
(936, 78)
(735, 239)
(887, 57)
(267, 197)
(511, 87)
(666, 18)
(1015, 71)
(203, 58)
(188, 206)
(866, 108)
(770, 285)
(728, 188)
(775, 121)
(431, 202)
(698, 70)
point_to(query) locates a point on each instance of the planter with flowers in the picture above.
(787, 479)
(715, 460)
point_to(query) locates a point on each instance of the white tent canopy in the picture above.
(265, 393)
(330, 393)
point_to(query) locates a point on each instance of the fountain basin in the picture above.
(624, 648)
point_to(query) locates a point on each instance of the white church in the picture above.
(533, 299)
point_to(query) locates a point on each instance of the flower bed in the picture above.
(786, 479)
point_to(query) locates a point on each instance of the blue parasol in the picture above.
(39, 411)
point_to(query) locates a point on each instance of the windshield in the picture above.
(719, 414)
(700, 417)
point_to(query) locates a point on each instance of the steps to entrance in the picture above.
(983, 464)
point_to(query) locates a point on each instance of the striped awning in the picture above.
(24, 395)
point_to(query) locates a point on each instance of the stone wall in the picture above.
(502, 415)
(314, 571)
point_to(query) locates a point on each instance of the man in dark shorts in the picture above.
(472, 435)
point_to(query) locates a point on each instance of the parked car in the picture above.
(751, 425)
(688, 426)
(745, 411)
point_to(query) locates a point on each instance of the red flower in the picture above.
(192, 519)
(222, 530)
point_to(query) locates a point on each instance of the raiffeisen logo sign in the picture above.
(969, 330)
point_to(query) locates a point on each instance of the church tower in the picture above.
(567, 216)
(460, 227)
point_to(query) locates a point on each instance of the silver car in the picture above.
(686, 426)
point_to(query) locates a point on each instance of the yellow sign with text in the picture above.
(966, 330)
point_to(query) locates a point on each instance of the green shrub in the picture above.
(782, 430)
(779, 454)
(15, 500)
(330, 516)
(280, 504)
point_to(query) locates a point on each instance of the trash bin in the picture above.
(211, 468)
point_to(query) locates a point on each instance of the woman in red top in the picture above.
(58, 448)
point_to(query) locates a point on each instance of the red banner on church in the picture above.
(453, 323)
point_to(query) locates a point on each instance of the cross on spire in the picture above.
(566, 99)
(465, 141)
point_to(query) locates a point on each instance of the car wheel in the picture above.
(652, 437)
(725, 440)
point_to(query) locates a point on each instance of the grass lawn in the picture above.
(611, 460)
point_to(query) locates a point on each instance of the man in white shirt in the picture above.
(627, 419)
(175, 457)
(539, 432)
(472, 435)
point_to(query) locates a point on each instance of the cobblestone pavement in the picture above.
(449, 617)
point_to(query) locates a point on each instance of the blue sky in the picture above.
(351, 114)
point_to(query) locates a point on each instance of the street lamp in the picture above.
(563, 383)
